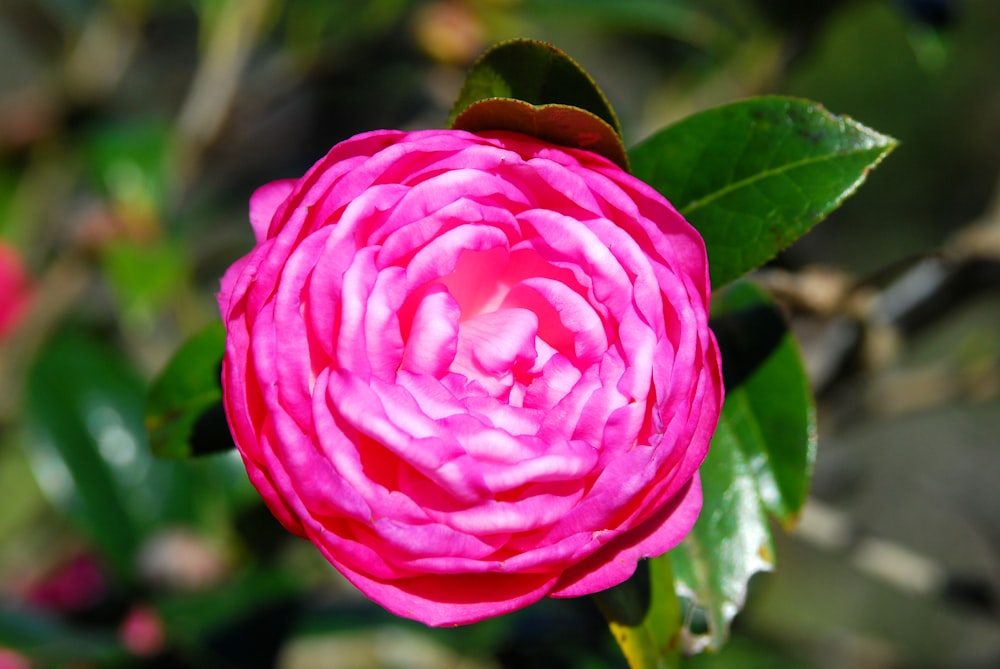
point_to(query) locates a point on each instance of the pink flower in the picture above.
(473, 369)
(15, 290)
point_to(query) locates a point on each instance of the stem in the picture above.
(644, 616)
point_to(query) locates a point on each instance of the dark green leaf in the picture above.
(536, 73)
(184, 412)
(559, 124)
(772, 410)
(760, 462)
(753, 176)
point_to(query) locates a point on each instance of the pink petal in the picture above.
(617, 560)
(433, 338)
(265, 202)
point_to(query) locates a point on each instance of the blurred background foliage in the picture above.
(131, 135)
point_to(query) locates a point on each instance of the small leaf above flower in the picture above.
(534, 88)
(535, 72)
(559, 124)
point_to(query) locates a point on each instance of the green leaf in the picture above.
(680, 20)
(559, 124)
(645, 616)
(49, 642)
(769, 400)
(145, 276)
(132, 162)
(191, 616)
(760, 461)
(86, 443)
(754, 176)
(571, 108)
(184, 410)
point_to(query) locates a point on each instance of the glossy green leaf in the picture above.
(760, 461)
(644, 616)
(559, 124)
(184, 410)
(769, 402)
(536, 73)
(753, 176)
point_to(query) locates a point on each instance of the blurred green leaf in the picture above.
(760, 461)
(190, 617)
(52, 643)
(753, 176)
(536, 73)
(86, 443)
(145, 276)
(679, 19)
(133, 163)
(744, 654)
(184, 412)
(645, 616)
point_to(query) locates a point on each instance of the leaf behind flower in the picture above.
(760, 462)
(184, 414)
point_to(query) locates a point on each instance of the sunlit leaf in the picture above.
(760, 461)
(753, 176)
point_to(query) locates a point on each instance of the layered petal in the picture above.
(474, 369)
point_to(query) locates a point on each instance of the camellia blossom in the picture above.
(473, 369)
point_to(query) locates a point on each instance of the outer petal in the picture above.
(616, 561)
(265, 202)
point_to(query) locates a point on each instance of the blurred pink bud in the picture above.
(11, 660)
(142, 631)
(15, 290)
